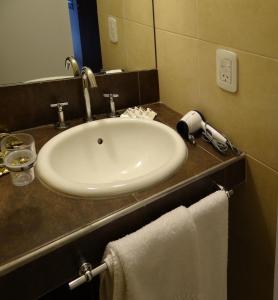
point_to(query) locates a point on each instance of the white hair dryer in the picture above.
(192, 122)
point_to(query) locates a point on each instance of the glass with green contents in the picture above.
(20, 163)
(17, 141)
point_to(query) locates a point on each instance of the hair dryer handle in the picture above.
(214, 133)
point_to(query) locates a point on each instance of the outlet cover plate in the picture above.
(226, 70)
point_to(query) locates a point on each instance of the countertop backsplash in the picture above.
(28, 105)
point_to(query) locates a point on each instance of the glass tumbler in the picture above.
(20, 163)
(17, 141)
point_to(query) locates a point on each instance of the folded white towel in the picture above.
(159, 261)
(211, 219)
(139, 113)
(180, 256)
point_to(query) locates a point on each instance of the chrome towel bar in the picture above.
(86, 271)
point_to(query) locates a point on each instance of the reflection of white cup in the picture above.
(18, 141)
(20, 163)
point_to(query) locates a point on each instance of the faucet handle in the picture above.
(59, 104)
(111, 96)
(61, 122)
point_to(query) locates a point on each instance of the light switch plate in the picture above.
(226, 70)
(113, 29)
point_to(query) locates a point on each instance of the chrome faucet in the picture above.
(61, 124)
(71, 61)
(89, 82)
(111, 97)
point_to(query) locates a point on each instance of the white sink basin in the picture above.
(110, 157)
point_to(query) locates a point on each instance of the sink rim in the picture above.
(107, 189)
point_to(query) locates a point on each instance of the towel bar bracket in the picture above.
(84, 268)
(87, 273)
(229, 193)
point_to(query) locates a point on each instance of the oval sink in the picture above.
(110, 157)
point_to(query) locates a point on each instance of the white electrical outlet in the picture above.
(226, 70)
(113, 29)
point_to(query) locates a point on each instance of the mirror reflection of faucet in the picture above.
(70, 61)
(111, 97)
(89, 82)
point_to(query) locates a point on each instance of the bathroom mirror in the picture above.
(37, 36)
(133, 47)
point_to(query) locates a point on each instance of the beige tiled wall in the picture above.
(135, 49)
(188, 33)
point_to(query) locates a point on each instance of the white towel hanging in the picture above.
(181, 255)
(159, 261)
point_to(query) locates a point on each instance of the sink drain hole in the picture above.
(99, 141)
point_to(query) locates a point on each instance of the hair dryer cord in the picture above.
(220, 146)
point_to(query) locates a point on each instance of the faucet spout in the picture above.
(89, 82)
(71, 62)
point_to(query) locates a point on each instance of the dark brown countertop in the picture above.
(33, 216)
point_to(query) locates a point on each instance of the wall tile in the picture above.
(139, 46)
(125, 85)
(148, 86)
(176, 16)
(138, 11)
(113, 55)
(177, 64)
(28, 105)
(111, 7)
(187, 80)
(253, 234)
(249, 25)
(248, 116)
(258, 204)
(135, 49)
